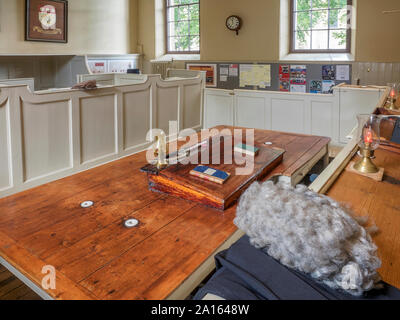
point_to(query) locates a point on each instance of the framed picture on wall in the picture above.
(210, 69)
(47, 20)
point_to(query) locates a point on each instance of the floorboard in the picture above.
(12, 288)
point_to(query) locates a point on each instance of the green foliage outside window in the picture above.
(183, 19)
(313, 18)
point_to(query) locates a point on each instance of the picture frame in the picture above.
(46, 21)
(211, 70)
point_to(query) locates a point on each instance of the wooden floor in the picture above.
(13, 289)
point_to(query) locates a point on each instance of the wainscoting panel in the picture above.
(322, 115)
(137, 118)
(373, 73)
(48, 135)
(218, 108)
(192, 107)
(251, 112)
(5, 145)
(167, 107)
(288, 115)
(46, 138)
(98, 128)
(330, 115)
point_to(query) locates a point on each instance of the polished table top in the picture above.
(380, 201)
(95, 256)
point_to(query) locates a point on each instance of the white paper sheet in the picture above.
(343, 72)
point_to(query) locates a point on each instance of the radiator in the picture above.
(161, 67)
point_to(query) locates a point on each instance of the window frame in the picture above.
(166, 7)
(293, 39)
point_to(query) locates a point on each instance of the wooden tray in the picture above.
(177, 181)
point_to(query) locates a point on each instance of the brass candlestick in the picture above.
(394, 90)
(369, 133)
(365, 165)
(391, 105)
(160, 152)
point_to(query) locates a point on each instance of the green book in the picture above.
(246, 149)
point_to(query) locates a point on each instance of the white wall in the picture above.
(95, 27)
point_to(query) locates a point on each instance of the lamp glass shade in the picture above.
(369, 131)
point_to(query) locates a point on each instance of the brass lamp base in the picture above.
(392, 105)
(365, 165)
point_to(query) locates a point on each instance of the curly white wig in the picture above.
(310, 233)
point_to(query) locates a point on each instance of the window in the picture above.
(321, 26)
(183, 26)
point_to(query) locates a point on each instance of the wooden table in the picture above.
(381, 202)
(96, 257)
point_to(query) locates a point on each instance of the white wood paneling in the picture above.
(5, 145)
(49, 135)
(98, 117)
(137, 117)
(168, 100)
(251, 112)
(46, 138)
(331, 115)
(192, 106)
(288, 115)
(218, 108)
(322, 114)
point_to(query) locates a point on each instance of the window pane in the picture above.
(178, 28)
(195, 43)
(183, 25)
(194, 27)
(338, 39)
(338, 3)
(320, 19)
(302, 5)
(178, 2)
(178, 13)
(194, 12)
(320, 40)
(178, 44)
(338, 19)
(303, 20)
(320, 4)
(302, 40)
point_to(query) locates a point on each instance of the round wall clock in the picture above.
(234, 23)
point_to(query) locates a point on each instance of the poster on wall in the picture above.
(234, 70)
(97, 66)
(284, 71)
(299, 88)
(316, 86)
(327, 86)
(328, 72)
(46, 20)
(284, 85)
(255, 75)
(298, 74)
(210, 69)
(284, 77)
(343, 72)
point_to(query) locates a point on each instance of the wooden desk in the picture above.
(381, 202)
(166, 257)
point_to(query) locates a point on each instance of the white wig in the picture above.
(310, 233)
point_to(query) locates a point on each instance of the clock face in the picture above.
(233, 23)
